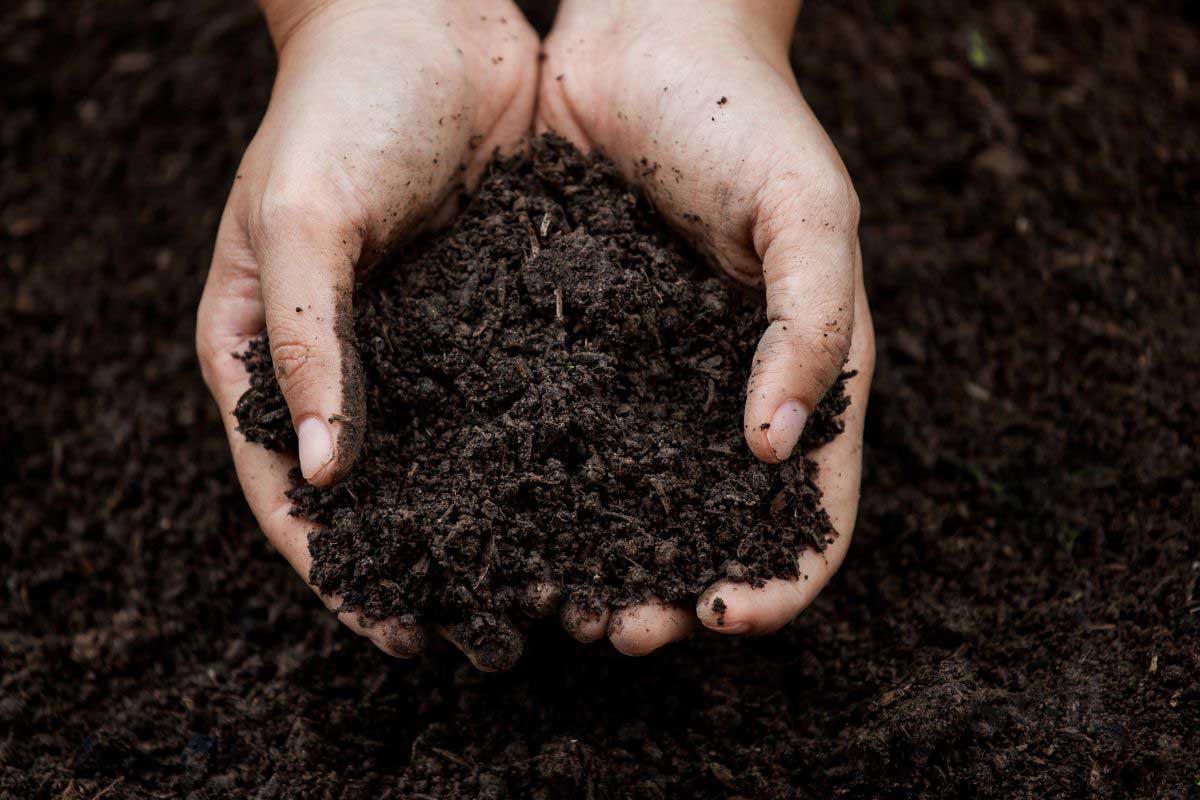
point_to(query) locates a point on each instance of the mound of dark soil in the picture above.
(554, 393)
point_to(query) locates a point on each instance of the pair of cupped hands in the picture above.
(382, 110)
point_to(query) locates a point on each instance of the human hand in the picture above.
(379, 112)
(696, 101)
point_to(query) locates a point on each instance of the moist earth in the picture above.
(1019, 611)
(554, 390)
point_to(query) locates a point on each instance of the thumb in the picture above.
(307, 266)
(808, 272)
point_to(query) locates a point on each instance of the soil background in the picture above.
(1019, 614)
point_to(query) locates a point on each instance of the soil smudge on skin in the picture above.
(554, 387)
(718, 607)
(351, 420)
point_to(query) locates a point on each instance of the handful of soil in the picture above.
(554, 390)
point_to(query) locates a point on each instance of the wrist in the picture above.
(770, 21)
(285, 17)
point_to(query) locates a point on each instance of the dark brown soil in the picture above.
(554, 394)
(1019, 613)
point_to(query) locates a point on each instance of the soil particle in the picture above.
(553, 399)
(718, 607)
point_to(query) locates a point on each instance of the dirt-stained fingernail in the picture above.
(406, 641)
(491, 642)
(540, 599)
(712, 615)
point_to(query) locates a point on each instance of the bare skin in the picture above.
(702, 92)
(381, 109)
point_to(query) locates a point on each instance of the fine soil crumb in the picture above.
(718, 607)
(554, 393)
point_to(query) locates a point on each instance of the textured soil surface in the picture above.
(1019, 612)
(557, 402)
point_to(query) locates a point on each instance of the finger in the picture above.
(307, 253)
(583, 624)
(540, 599)
(731, 607)
(638, 630)
(806, 234)
(491, 642)
(392, 636)
(554, 114)
(264, 479)
(230, 314)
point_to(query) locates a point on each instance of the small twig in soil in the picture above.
(558, 304)
(662, 495)
(489, 550)
(455, 757)
(107, 789)
(501, 288)
(535, 247)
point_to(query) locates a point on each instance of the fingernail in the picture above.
(737, 627)
(408, 641)
(786, 427)
(316, 445)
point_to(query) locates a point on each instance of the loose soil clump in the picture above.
(554, 395)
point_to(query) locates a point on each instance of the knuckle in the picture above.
(830, 348)
(300, 213)
(833, 344)
(841, 196)
(830, 188)
(298, 363)
(819, 196)
(279, 211)
(788, 341)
